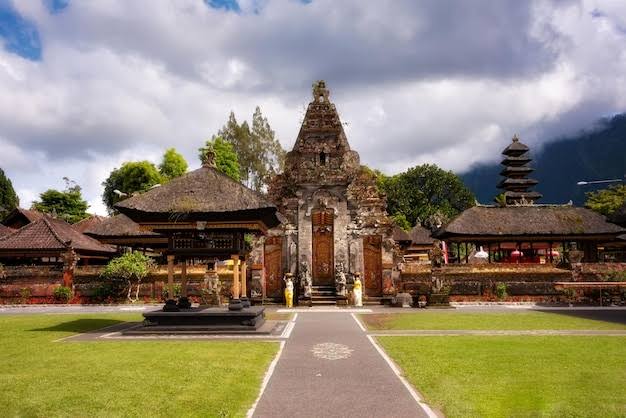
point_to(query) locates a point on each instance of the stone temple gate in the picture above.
(334, 215)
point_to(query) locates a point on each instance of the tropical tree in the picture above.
(607, 201)
(8, 197)
(127, 271)
(172, 165)
(131, 177)
(226, 159)
(68, 204)
(425, 194)
(259, 152)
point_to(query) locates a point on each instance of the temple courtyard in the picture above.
(470, 361)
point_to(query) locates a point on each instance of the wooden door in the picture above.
(273, 267)
(323, 248)
(372, 265)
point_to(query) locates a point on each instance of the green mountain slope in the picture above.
(594, 155)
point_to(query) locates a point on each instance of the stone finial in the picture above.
(208, 158)
(515, 138)
(320, 92)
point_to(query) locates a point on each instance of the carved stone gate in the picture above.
(273, 267)
(372, 265)
(323, 248)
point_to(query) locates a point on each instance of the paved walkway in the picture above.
(329, 368)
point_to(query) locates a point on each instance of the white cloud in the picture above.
(416, 82)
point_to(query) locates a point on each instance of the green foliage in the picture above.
(177, 291)
(106, 292)
(131, 268)
(260, 153)
(615, 276)
(8, 197)
(63, 294)
(226, 159)
(131, 177)
(425, 192)
(400, 220)
(172, 165)
(607, 201)
(68, 204)
(25, 294)
(501, 290)
(500, 200)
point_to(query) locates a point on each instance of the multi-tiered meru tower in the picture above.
(517, 185)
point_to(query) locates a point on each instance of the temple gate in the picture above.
(323, 259)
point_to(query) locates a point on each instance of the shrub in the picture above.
(128, 270)
(63, 294)
(177, 290)
(106, 291)
(25, 294)
(501, 291)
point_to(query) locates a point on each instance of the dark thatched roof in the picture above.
(50, 234)
(537, 220)
(204, 194)
(87, 223)
(5, 230)
(118, 226)
(400, 235)
(421, 236)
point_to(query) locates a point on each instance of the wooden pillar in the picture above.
(466, 254)
(550, 249)
(170, 277)
(235, 288)
(183, 278)
(244, 288)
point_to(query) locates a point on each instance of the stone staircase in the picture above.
(323, 296)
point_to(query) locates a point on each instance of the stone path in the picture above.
(329, 368)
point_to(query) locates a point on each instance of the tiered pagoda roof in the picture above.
(516, 183)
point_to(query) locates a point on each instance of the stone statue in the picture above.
(306, 281)
(212, 288)
(357, 290)
(436, 255)
(289, 290)
(340, 280)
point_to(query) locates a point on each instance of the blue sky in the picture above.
(87, 85)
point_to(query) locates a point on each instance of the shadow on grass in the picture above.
(81, 326)
(606, 315)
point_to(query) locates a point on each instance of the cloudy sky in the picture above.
(86, 85)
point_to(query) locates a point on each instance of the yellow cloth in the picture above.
(289, 298)
(357, 285)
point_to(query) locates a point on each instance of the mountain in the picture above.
(597, 154)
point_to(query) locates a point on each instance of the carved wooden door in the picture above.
(372, 265)
(273, 267)
(323, 248)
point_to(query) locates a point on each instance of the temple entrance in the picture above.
(273, 267)
(372, 265)
(323, 248)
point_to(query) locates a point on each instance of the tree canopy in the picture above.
(607, 201)
(259, 152)
(425, 194)
(131, 177)
(172, 165)
(226, 159)
(8, 197)
(68, 204)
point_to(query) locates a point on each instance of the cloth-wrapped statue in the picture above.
(340, 280)
(289, 290)
(357, 290)
(306, 282)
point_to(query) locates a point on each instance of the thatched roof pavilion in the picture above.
(204, 214)
(531, 227)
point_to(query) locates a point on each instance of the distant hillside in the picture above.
(595, 155)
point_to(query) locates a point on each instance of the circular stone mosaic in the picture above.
(331, 351)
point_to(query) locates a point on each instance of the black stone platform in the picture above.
(198, 320)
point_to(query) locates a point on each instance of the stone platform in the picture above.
(201, 320)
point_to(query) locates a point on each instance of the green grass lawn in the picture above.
(43, 378)
(449, 319)
(569, 376)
